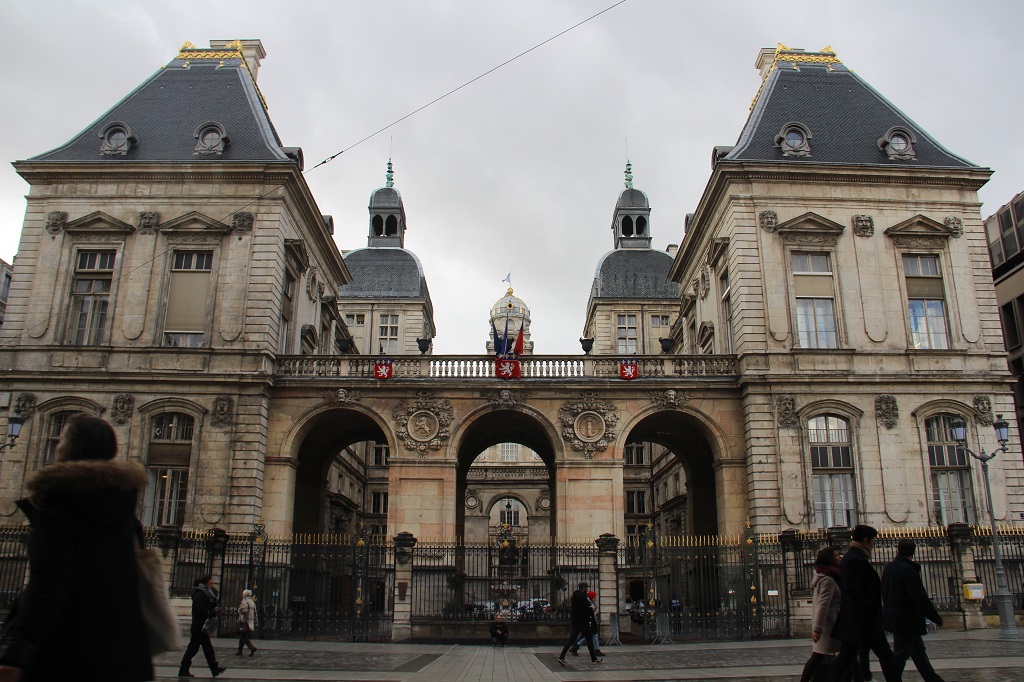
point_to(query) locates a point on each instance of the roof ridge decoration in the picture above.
(389, 177)
(783, 53)
(189, 52)
(629, 175)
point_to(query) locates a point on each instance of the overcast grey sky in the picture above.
(521, 169)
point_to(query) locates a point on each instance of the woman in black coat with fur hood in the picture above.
(80, 618)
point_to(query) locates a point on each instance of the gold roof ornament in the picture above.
(232, 50)
(784, 53)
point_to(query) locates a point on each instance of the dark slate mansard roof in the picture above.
(384, 272)
(844, 114)
(165, 111)
(634, 273)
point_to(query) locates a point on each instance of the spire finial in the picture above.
(390, 176)
(629, 175)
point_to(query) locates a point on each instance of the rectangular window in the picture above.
(287, 311)
(626, 338)
(1011, 332)
(636, 502)
(355, 319)
(187, 300)
(925, 302)
(995, 245)
(659, 321)
(90, 298)
(510, 452)
(815, 300)
(950, 472)
(6, 290)
(381, 455)
(53, 431)
(832, 471)
(388, 335)
(379, 503)
(723, 283)
(1009, 235)
(165, 496)
(510, 518)
(635, 453)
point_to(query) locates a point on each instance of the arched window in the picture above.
(54, 427)
(831, 471)
(391, 226)
(627, 227)
(951, 473)
(378, 225)
(641, 226)
(170, 451)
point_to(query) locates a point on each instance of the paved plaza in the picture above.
(976, 656)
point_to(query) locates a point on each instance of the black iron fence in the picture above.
(524, 581)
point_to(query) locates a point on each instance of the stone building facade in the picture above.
(795, 364)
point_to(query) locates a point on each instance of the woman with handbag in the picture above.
(80, 617)
(246, 623)
(824, 614)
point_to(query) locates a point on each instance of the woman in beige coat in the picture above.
(246, 623)
(825, 610)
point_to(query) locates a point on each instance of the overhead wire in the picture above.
(334, 156)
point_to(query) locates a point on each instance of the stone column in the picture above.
(401, 627)
(800, 595)
(960, 535)
(607, 581)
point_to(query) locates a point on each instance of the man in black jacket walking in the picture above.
(906, 606)
(580, 611)
(204, 609)
(860, 610)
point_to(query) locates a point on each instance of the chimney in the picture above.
(765, 59)
(672, 249)
(252, 52)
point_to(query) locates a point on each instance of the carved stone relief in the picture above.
(863, 225)
(148, 222)
(343, 396)
(122, 408)
(769, 221)
(955, 225)
(311, 284)
(25, 404)
(241, 222)
(668, 398)
(56, 221)
(887, 412)
(423, 423)
(506, 397)
(908, 242)
(472, 499)
(588, 423)
(223, 409)
(705, 281)
(785, 407)
(983, 410)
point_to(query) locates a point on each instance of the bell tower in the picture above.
(387, 214)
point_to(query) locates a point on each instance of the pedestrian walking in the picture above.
(575, 648)
(580, 613)
(499, 630)
(906, 605)
(246, 623)
(824, 613)
(860, 610)
(204, 610)
(79, 617)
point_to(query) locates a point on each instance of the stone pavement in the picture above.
(976, 656)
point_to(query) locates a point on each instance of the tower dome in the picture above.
(509, 312)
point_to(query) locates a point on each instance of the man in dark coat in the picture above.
(906, 606)
(79, 618)
(204, 609)
(580, 611)
(860, 610)
(499, 630)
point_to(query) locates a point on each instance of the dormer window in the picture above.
(210, 139)
(898, 143)
(794, 140)
(116, 139)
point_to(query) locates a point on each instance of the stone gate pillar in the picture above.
(960, 535)
(401, 627)
(607, 581)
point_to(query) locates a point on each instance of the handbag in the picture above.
(158, 617)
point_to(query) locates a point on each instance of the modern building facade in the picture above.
(1005, 232)
(795, 364)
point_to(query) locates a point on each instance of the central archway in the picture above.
(498, 426)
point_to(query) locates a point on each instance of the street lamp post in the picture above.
(14, 424)
(1003, 598)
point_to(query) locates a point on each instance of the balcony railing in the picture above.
(482, 367)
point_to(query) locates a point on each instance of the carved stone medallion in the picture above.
(122, 408)
(955, 226)
(148, 222)
(785, 407)
(863, 225)
(311, 284)
(769, 221)
(472, 499)
(223, 408)
(887, 412)
(705, 282)
(668, 398)
(983, 410)
(588, 423)
(423, 423)
(56, 221)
